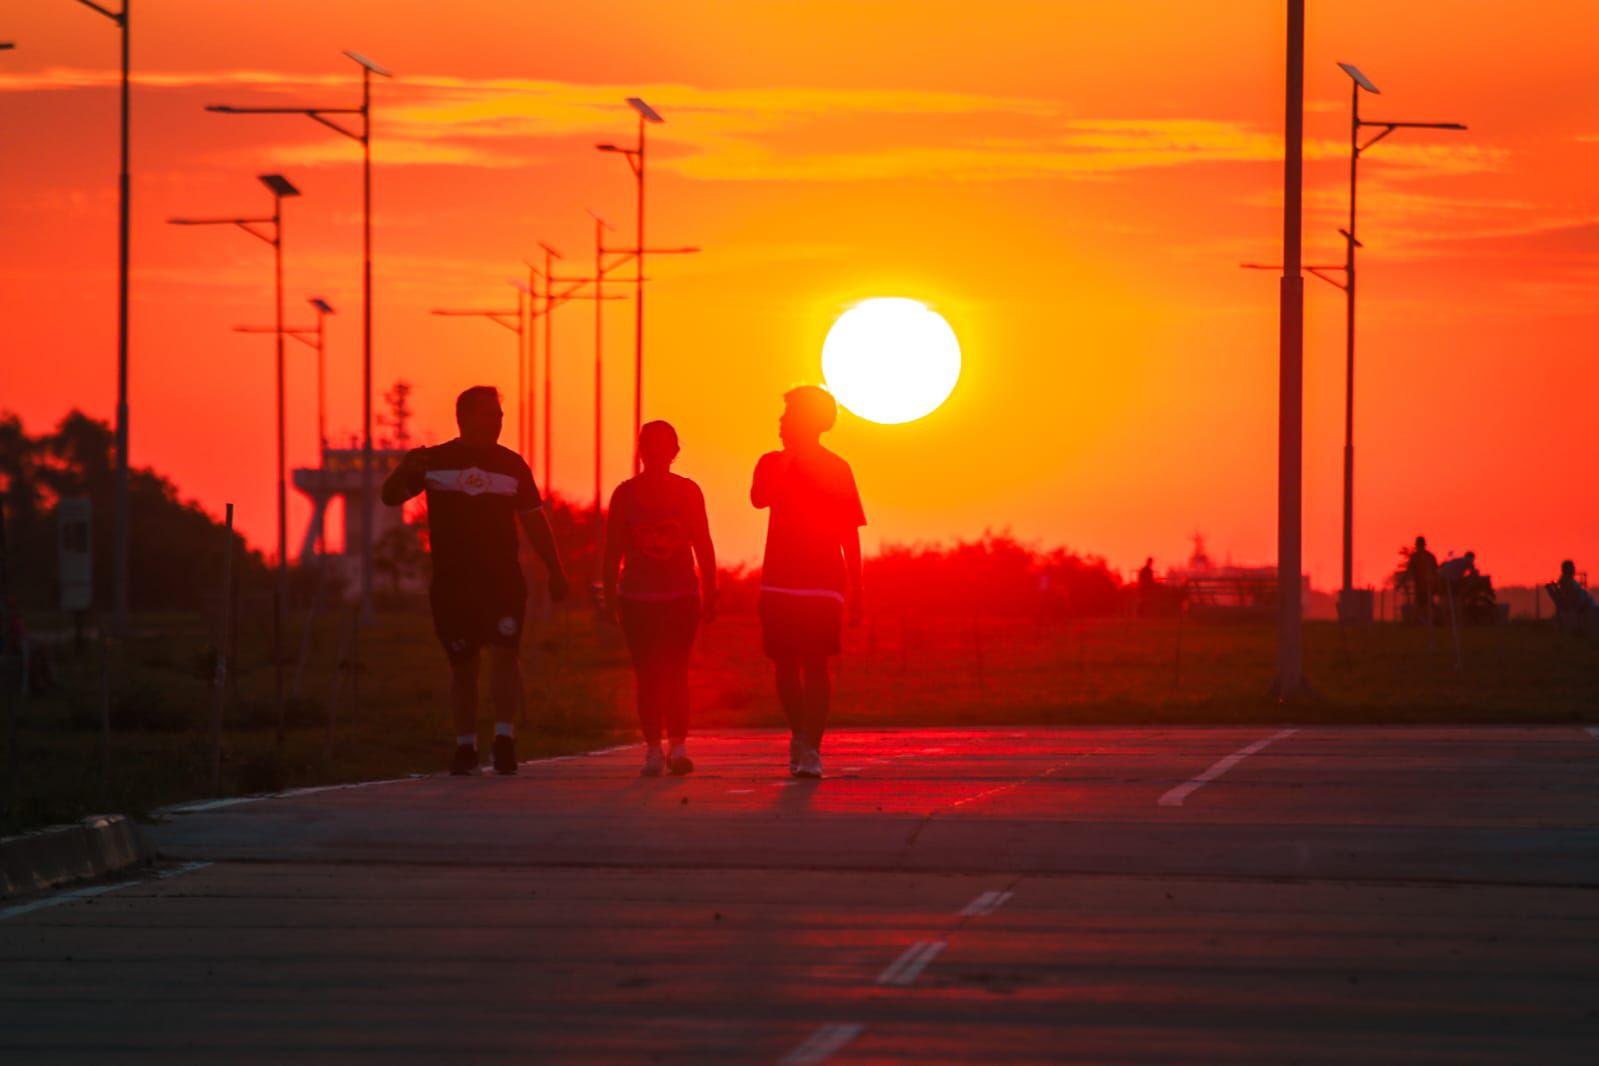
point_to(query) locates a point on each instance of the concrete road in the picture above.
(973, 895)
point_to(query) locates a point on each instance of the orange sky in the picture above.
(1071, 183)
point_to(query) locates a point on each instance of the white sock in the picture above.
(466, 740)
(505, 729)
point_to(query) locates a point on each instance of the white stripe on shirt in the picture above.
(471, 482)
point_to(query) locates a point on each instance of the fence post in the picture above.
(105, 712)
(219, 679)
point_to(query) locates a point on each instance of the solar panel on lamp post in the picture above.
(1348, 611)
(281, 188)
(364, 137)
(120, 532)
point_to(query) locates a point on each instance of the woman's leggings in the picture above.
(660, 635)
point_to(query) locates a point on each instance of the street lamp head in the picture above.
(549, 251)
(608, 148)
(595, 215)
(222, 109)
(321, 305)
(1360, 79)
(368, 64)
(280, 186)
(645, 110)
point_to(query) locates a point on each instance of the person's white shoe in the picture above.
(654, 763)
(809, 765)
(796, 749)
(678, 762)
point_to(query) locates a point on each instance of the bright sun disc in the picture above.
(891, 360)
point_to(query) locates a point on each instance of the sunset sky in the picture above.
(1072, 184)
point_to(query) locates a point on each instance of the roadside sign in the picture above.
(75, 550)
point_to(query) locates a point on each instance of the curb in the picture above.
(100, 844)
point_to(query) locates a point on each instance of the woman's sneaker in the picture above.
(679, 762)
(809, 765)
(654, 763)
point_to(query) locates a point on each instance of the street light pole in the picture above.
(550, 254)
(600, 226)
(121, 525)
(364, 136)
(281, 188)
(1290, 682)
(1346, 608)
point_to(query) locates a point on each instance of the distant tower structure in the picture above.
(399, 414)
(339, 477)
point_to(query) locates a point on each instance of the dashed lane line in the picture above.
(987, 903)
(1176, 796)
(904, 971)
(822, 1045)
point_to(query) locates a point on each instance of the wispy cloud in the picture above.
(766, 133)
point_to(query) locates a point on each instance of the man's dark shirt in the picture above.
(474, 495)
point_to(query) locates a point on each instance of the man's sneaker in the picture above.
(809, 765)
(465, 761)
(505, 755)
(796, 749)
(679, 762)
(654, 763)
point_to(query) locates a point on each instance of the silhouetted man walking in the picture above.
(477, 492)
(812, 568)
(1423, 570)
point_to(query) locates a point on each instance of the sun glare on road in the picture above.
(891, 360)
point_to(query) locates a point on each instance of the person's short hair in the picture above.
(659, 433)
(476, 394)
(1421, 542)
(1568, 566)
(814, 406)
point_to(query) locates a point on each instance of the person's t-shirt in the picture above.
(657, 520)
(474, 494)
(815, 505)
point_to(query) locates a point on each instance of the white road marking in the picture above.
(912, 961)
(987, 903)
(822, 1045)
(1175, 797)
(739, 791)
(234, 801)
(91, 891)
(853, 769)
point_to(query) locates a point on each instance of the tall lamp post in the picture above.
(600, 226)
(1347, 610)
(363, 135)
(281, 188)
(120, 532)
(1290, 682)
(315, 338)
(635, 161)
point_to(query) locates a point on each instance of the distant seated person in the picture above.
(1457, 570)
(1574, 607)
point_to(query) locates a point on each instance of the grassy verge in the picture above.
(901, 671)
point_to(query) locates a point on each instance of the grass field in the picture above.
(902, 671)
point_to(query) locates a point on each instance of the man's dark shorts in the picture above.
(801, 627)
(468, 614)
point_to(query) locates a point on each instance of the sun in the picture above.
(891, 360)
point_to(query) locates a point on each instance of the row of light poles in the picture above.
(281, 189)
(1349, 610)
(546, 287)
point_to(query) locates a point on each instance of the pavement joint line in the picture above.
(1176, 796)
(89, 892)
(987, 903)
(904, 971)
(823, 1044)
